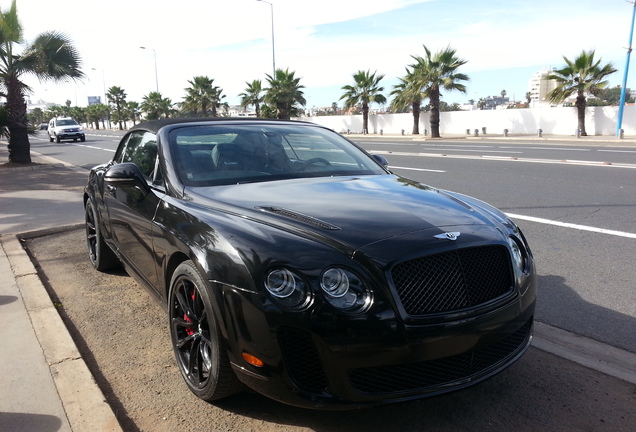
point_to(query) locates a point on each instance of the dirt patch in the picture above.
(17, 165)
(122, 333)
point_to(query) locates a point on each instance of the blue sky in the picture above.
(324, 42)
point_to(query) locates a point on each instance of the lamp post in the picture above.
(103, 83)
(621, 105)
(273, 52)
(156, 76)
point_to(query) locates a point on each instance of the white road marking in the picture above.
(573, 226)
(93, 147)
(416, 169)
(510, 159)
(546, 148)
(617, 151)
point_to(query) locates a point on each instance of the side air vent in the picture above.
(299, 217)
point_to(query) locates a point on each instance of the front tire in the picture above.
(196, 338)
(57, 139)
(101, 256)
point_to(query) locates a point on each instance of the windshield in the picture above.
(229, 154)
(67, 122)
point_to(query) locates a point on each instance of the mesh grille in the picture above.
(422, 375)
(453, 280)
(302, 360)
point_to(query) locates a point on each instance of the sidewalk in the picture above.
(605, 140)
(46, 385)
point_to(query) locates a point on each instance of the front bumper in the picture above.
(70, 135)
(327, 362)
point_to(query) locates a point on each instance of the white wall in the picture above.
(552, 121)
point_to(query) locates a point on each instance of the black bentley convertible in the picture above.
(294, 263)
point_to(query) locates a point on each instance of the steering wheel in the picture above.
(309, 162)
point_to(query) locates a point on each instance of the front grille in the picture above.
(426, 374)
(453, 280)
(302, 360)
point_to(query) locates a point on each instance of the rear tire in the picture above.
(100, 254)
(196, 338)
(51, 138)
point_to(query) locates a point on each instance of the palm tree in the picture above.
(93, 114)
(580, 77)
(365, 91)
(284, 94)
(79, 114)
(155, 106)
(51, 57)
(252, 96)
(216, 100)
(407, 94)
(132, 111)
(117, 95)
(202, 97)
(436, 72)
(37, 116)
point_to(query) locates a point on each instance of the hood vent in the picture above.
(299, 217)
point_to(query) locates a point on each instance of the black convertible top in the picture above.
(155, 125)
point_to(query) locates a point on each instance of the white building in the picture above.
(540, 86)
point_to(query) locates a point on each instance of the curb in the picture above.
(83, 401)
(586, 352)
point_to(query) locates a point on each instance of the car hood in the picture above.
(349, 211)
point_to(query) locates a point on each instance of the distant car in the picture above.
(291, 261)
(65, 128)
(43, 126)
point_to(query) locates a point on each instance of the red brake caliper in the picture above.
(189, 331)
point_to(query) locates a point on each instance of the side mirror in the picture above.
(381, 160)
(126, 175)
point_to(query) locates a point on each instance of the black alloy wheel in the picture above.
(100, 254)
(196, 339)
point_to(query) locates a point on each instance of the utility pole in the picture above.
(621, 105)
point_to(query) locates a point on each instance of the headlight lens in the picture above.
(519, 255)
(287, 288)
(344, 290)
(335, 282)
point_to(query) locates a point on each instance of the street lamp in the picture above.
(156, 76)
(103, 83)
(273, 54)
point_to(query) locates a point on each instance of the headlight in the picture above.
(344, 290)
(519, 256)
(335, 282)
(287, 288)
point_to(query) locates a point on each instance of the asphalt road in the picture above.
(574, 200)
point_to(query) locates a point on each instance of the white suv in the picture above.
(65, 128)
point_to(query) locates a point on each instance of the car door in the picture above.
(131, 210)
